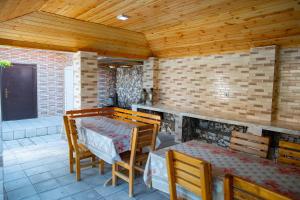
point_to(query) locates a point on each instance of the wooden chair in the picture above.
(249, 143)
(238, 188)
(107, 112)
(191, 173)
(144, 136)
(80, 151)
(289, 153)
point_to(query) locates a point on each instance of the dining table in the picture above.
(106, 137)
(281, 178)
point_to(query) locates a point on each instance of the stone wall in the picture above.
(50, 75)
(258, 85)
(106, 84)
(129, 82)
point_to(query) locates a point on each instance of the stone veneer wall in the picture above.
(129, 83)
(85, 80)
(106, 84)
(243, 85)
(50, 75)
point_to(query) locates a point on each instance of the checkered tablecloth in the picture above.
(284, 179)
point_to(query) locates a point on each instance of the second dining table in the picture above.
(284, 179)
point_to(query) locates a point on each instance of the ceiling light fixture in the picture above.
(122, 17)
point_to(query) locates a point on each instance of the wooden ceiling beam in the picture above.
(63, 33)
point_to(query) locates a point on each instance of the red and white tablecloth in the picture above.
(281, 178)
(105, 137)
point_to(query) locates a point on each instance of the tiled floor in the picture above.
(26, 128)
(37, 168)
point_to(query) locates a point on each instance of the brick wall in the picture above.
(260, 84)
(50, 75)
(262, 67)
(85, 80)
(289, 85)
(215, 83)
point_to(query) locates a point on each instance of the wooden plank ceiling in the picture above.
(172, 28)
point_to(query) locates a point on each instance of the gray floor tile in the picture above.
(21, 193)
(14, 176)
(35, 170)
(76, 188)
(109, 190)
(40, 177)
(46, 185)
(121, 195)
(60, 172)
(54, 194)
(11, 169)
(15, 184)
(34, 197)
(90, 194)
(152, 196)
(67, 179)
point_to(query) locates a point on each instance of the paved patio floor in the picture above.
(26, 128)
(37, 168)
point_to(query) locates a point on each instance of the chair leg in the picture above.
(93, 160)
(71, 161)
(101, 166)
(77, 169)
(114, 177)
(131, 182)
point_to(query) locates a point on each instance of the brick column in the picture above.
(262, 79)
(150, 76)
(85, 80)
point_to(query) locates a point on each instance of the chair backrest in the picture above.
(239, 188)
(144, 136)
(74, 134)
(191, 173)
(107, 112)
(134, 116)
(289, 153)
(68, 132)
(249, 143)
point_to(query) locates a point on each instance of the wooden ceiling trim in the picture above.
(50, 29)
(14, 8)
(11, 42)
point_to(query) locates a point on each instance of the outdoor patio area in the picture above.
(37, 168)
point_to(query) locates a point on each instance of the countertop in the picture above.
(276, 126)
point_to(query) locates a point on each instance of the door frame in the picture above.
(35, 95)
